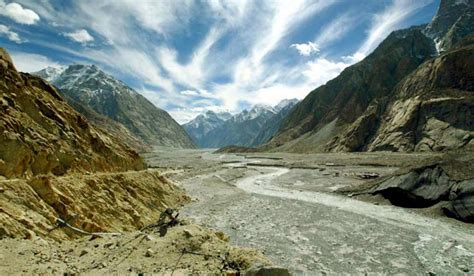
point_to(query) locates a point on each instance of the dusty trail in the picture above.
(318, 232)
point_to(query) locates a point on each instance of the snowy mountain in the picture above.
(214, 130)
(89, 86)
(204, 123)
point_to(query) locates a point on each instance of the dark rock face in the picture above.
(461, 204)
(419, 188)
(89, 86)
(453, 21)
(433, 108)
(449, 182)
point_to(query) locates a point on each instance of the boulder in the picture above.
(461, 205)
(421, 187)
(261, 270)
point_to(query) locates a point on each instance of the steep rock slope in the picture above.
(41, 133)
(113, 202)
(433, 108)
(274, 123)
(388, 102)
(91, 87)
(453, 21)
(114, 128)
(335, 105)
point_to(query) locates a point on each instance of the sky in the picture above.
(188, 57)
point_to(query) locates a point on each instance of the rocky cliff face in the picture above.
(453, 21)
(89, 86)
(41, 133)
(332, 107)
(402, 97)
(433, 108)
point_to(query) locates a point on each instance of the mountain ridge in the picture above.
(91, 87)
(347, 112)
(42, 134)
(251, 127)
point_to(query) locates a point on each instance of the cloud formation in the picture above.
(306, 49)
(189, 56)
(19, 14)
(81, 36)
(5, 31)
(31, 62)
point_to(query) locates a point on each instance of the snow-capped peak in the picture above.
(90, 80)
(284, 103)
(51, 73)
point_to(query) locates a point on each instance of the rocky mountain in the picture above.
(203, 124)
(405, 96)
(42, 134)
(90, 87)
(249, 128)
(274, 123)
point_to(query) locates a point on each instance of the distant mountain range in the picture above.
(251, 127)
(116, 107)
(413, 93)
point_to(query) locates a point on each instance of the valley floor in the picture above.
(286, 205)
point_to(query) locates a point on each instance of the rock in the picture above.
(149, 238)
(463, 268)
(222, 236)
(367, 175)
(149, 253)
(260, 270)
(188, 233)
(421, 187)
(83, 252)
(41, 242)
(461, 205)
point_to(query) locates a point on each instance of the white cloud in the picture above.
(189, 93)
(135, 63)
(354, 58)
(232, 64)
(320, 70)
(306, 49)
(336, 29)
(26, 62)
(81, 36)
(5, 31)
(19, 14)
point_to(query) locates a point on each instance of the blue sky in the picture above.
(191, 56)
